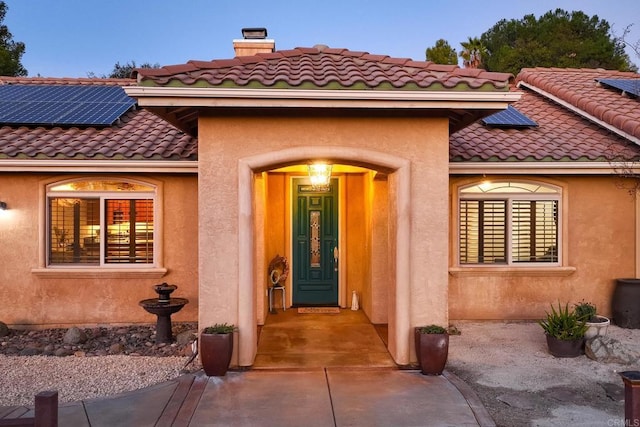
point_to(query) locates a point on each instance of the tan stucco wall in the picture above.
(358, 260)
(35, 301)
(380, 275)
(600, 241)
(225, 141)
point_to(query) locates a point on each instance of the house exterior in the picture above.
(434, 212)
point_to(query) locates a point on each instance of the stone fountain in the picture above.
(163, 307)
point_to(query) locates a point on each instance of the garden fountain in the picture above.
(163, 307)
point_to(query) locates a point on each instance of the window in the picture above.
(100, 223)
(509, 223)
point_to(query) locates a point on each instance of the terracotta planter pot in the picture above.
(215, 353)
(432, 351)
(561, 348)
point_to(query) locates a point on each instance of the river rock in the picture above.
(4, 329)
(185, 338)
(609, 350)
(75, 336)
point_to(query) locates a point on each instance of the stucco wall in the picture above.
(600, 241)
(421, 142)
(29, 299)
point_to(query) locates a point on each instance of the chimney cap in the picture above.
(254, 33)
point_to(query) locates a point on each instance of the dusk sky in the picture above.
(72, 38)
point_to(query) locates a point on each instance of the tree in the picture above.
(473, 53)
(557, 39)
(634, 46)
(442, 53)
(10, 52)
(124, 71)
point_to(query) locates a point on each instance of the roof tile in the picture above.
(138, 134)
(323, 66)
(561, 135)
(579, 88)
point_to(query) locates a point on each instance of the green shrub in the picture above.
(432, 329)
(585, 311)
(219, 328)
(564, 324)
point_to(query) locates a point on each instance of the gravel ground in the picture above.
(110, 361)
(521, 384)
(79, 378)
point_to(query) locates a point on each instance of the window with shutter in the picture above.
(100, 223)
(508, 223)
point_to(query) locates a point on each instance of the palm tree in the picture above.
(473, 51)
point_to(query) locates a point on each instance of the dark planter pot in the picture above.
(432, 351)
(215, 353)
(562, 348)
(625, 304)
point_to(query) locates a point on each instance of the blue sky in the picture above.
(71, 38)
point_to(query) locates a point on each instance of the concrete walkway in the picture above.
(315, 397)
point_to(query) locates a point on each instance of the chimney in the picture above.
(254, 40)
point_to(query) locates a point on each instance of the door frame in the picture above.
(342, 241)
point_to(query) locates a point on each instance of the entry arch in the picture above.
(399, 207)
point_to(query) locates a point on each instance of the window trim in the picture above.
(559, 268)
(152, 270)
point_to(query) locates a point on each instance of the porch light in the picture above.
(320, 175)
(3, 206)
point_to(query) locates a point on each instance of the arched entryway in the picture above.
(251, 239)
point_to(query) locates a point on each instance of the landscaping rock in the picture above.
(101, 341)
(75, 336)
(185, 338)
(116, 348)
(30, 351)
(4, 329)
(609, 350)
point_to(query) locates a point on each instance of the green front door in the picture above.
(315, 244)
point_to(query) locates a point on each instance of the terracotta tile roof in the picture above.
(560, 136)
(323, 68)
(579, 88)
(137, 135)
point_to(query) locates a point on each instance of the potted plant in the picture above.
(565, 331)
(216, 348)
(596, 324)
(432, 348)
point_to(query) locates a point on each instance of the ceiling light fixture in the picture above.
(320, 175)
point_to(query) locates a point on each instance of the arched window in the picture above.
(509, 223)
(100, 222)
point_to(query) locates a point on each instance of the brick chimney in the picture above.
(254, 40)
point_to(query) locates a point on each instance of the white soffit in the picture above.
(157, 166)
(227, 97)
(529, 168)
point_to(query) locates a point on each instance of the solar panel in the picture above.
(63, 105)
(631, 86)
(510, 117)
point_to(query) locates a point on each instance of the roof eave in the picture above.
(288, 98)
(533, 168)
(84, 166)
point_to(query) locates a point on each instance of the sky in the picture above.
(74, 38)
